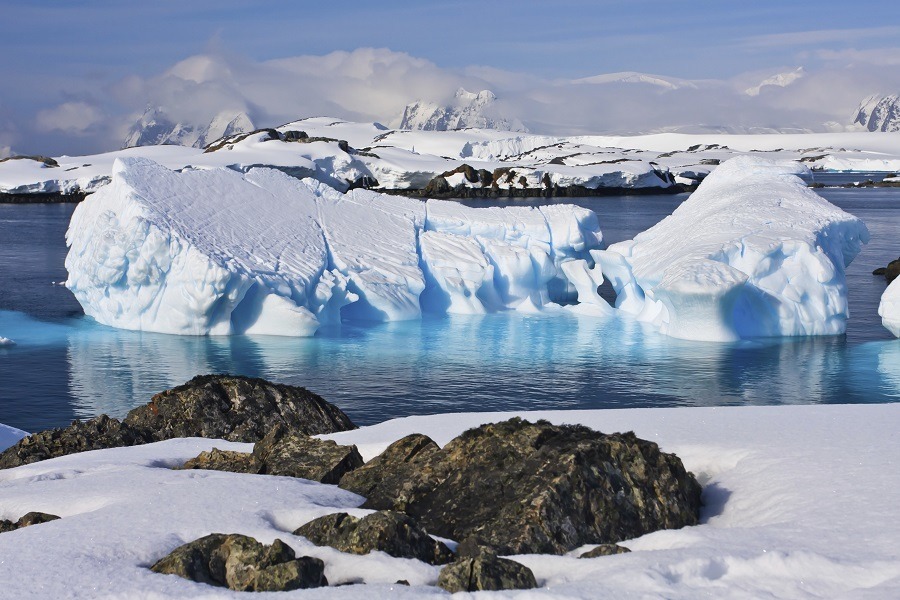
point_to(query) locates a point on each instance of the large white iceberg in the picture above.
(889, 308)
(753, 252)
(220, 252)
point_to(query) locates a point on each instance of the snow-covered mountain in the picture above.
(467, 110)
(156, 128)
(879, 113)
(777, 80)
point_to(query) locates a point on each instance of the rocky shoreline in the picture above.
(505, 488)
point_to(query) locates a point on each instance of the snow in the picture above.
(404, 159)
(752, 253)
(889, 308)
(799, 503)
(10, 435)
(217, 252)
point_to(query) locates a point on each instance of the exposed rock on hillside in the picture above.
(390, 532)
(521, 487)
(879, 113)
(243, 564)
(239, 409)
(32, 518)
(486, 572)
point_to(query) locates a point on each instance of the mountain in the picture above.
(879, 113)
(155, 128)
(467, 110)
(777, 80)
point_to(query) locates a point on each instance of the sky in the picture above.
(78, 73)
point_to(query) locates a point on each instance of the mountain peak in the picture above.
(155, 127)
(468, 109)
(879, 113)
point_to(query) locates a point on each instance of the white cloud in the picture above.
(69, 117)
(885, 57)
(819, 37)
(5, 151)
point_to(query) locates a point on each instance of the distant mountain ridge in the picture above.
(879, 113)
(156, 128)
(467, 110)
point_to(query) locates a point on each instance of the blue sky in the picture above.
(82, 51)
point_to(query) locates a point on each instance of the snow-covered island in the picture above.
(465, 162)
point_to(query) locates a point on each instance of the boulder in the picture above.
(604, 550)
(485, 572)
(287, 453)
(241, 563)
(238, 409)
(436, 187)
(521, 487)
(32, 518)
(390, 532)
(890, 272)
(81, 436)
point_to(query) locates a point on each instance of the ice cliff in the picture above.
(753, 252)
(220, 252)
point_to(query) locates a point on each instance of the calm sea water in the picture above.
(66, 366)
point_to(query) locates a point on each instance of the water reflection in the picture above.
(492, 362)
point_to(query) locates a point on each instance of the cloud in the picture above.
(69, 117)
(885, 57)
(5, 151)
(819, 37)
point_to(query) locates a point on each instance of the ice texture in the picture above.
(889, 308)
(753, 252)
(219, 252)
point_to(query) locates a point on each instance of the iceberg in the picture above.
(220, 252)
(889, 307)
(752, 253)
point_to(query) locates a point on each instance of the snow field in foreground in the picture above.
(219, 252)
(799, 503)
(752, 253)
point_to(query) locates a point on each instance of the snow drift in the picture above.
(753, 252)
(219, 252)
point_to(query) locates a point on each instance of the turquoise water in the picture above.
(66, 366)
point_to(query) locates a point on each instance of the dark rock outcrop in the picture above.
(284, 452)
(890, 272)
(98, 433)
(32, 518)
(485, 572)
(438, 186)
(604, 550)
(390, 532)
(240, 409)
(241, 563)
(46, 160)
(521, 487)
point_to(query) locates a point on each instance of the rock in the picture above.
(46, 160)
(605, 550)
(391, 532)
(485, 572)
(521, 487)
(295, 136)
(223, 460)
(81, 436)
(32, 518)
(485, 177)
(241, 563)
(892, 271)
(436, 187)
(343, 145)
(238, 409)
(285, 452)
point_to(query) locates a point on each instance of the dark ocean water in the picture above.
(66, 366)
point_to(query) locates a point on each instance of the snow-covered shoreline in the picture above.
(799, 504)
(504, 163)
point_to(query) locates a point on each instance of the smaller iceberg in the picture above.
(889, 308)
(752, 253)
(5, 342)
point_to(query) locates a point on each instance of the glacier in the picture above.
(889, 308)
(752, 253)
(219, 252)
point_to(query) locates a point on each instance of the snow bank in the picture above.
(889, 308)
(799, 503)
(753, 252)
(219, 252)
